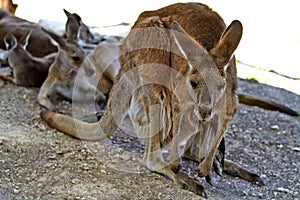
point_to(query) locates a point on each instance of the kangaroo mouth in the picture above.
(204, 121)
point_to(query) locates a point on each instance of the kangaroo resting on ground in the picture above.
(177, 84)
(65, 68)
(27, 70)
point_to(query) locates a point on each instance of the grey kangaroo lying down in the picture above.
(75, 72)
(177, 84)
(65, 69)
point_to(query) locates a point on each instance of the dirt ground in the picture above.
(37, 162)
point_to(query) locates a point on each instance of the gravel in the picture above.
(37, 162)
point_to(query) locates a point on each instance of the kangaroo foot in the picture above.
(183, 180)
(188, 183)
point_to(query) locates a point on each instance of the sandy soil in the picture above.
(37, 162)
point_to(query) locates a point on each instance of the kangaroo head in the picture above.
(71, 53)
(11, 42)
(16, 49)
(84, 31)
(206, 73)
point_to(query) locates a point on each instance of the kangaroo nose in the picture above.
(205, 112)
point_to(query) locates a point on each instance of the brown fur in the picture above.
(176, 84)
(40, 43)
(27, 70)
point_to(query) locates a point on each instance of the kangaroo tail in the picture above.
(236, 170)
(266, 104)
(78, 129)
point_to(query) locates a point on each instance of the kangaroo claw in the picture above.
(209, 179)
(217, 167)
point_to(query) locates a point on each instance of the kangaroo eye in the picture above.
(194, 84)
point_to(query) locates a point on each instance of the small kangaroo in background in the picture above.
(65, 69)
(28, 70)
(85, 34)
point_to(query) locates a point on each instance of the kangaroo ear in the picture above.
(186, 46)
(72, 28)
(10, 41)
(67, 12)
(190, 49)
(25, 39)
(59, 39)
(176, 27)
(182, 40)
(227, 44)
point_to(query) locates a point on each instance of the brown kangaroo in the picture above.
(28, 70)
(177, 84)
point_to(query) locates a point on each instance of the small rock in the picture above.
(275, 127)
(281, 189)
(235, 130)
(159, 194)
(280, 146)
(59, 152)
(125, 157)
(16, 191)
(103, 171)
(297, 149)
(73, 181)
(245, 193)
(42, 127)
(266, 142)
(52, 157)
(85, 167)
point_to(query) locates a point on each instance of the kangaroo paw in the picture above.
(209, 179)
